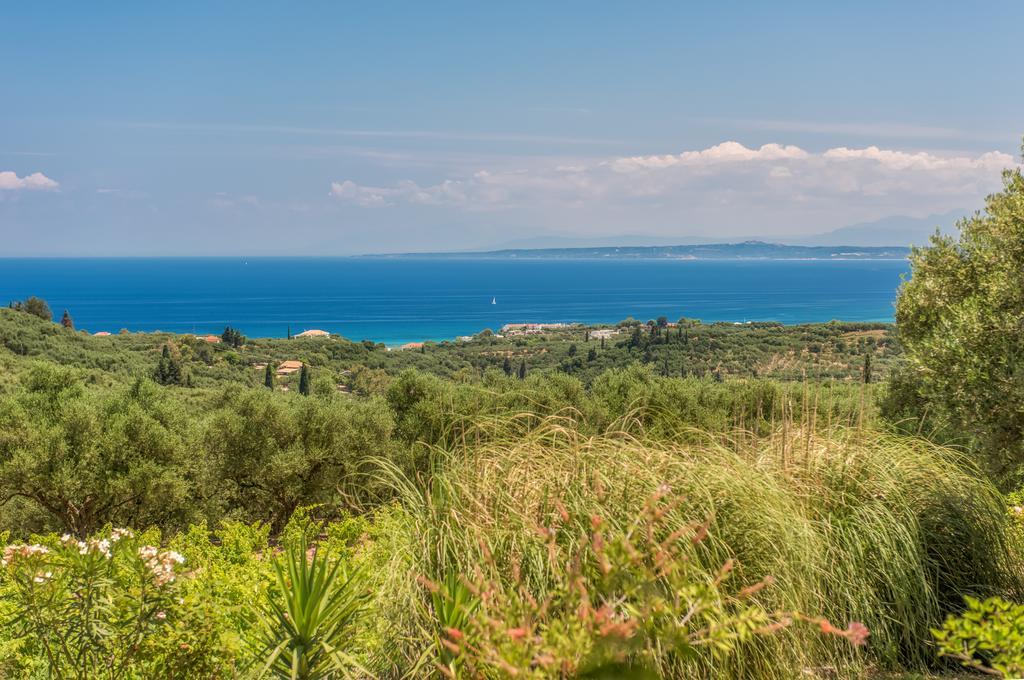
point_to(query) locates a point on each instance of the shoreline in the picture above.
(556, 327)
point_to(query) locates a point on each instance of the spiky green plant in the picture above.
(308, 624)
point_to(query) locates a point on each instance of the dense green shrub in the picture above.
(960, 319)
(273, 454)
(988, 636)
(73, 462)
(110, 606)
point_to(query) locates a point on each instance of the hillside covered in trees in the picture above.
(662, 499)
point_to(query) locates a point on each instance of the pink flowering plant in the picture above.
(92, 608)
(625, 602)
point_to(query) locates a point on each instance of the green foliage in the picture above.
(71, 462)
(274, 454)
(526, 496)
(34, 306)
(960, 318)
(232, 337)
(308, 623)
(101, 608)
(168, 370)
(988, 636)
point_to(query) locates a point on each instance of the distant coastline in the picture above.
(747, 250)
(402, 300)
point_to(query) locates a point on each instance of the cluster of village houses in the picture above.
(286, 368)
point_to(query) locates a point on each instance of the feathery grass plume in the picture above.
(852, 525)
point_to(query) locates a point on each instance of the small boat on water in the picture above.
(494, 301)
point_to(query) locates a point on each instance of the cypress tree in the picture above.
(66, 321)
(522, 369)
(507, 366)
(867, 368)
(232, 337)
(268, 376)
(289, 332)
(168, 369)
(163, 366)
(36, 307)
(304, 380)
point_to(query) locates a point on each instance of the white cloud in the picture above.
(724, 184)
(36, 181)
(726, 152)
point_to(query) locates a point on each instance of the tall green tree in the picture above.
(304, 380)
(34, 306)
(168, 369)
(268, 376)
(276, 454)
(522, 369)
(233, 337)
(78, 460)
(867, 368)
(960, 318)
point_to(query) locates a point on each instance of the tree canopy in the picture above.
(961, 320)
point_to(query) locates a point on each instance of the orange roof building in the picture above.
(313, 333)
(289, 367)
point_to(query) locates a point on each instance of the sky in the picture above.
(333, 128)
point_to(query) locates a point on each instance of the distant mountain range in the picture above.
(747, 250)
(897, 230)
(889, 231)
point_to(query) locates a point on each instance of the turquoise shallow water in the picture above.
(397, 301)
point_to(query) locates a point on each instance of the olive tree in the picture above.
(961, 320)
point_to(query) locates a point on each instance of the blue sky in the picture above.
(335, 128)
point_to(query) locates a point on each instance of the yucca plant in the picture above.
(454, 606)
(308, 624)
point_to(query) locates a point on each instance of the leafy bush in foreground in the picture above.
(105, 607)
(988, 637)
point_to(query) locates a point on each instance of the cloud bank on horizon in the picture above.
(724, 191)
(722, 176)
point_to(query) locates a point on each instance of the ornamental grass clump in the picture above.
(848, 525)
(621, 604)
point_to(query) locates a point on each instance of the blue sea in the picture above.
(403, 300)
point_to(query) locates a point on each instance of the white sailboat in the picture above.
(494, 301)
